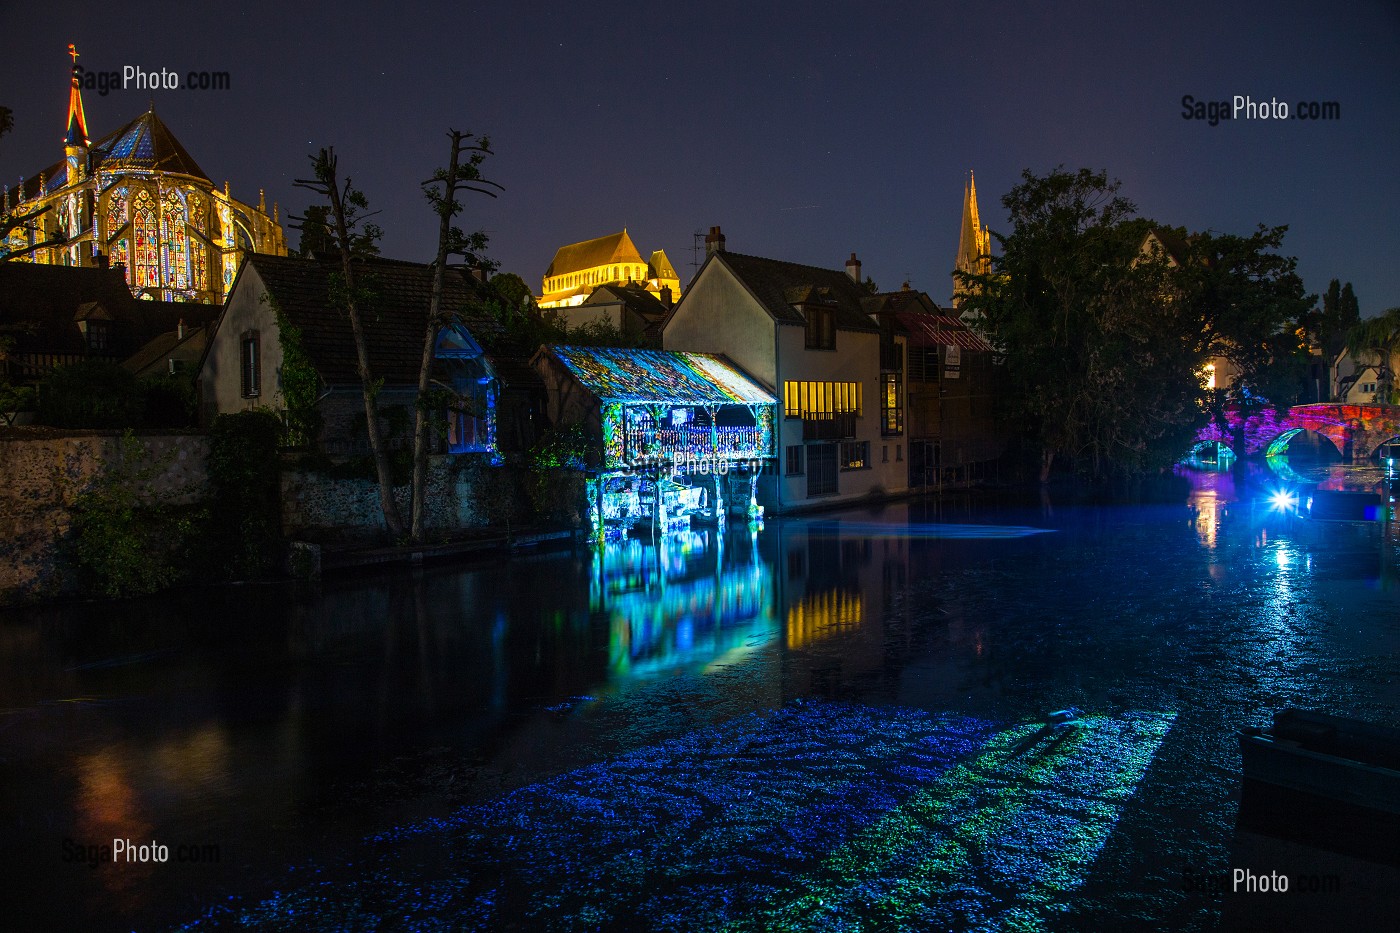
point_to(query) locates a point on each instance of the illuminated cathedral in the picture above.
(974, 242)
(579, 268)
(137, 200)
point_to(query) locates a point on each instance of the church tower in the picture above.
(974, 241)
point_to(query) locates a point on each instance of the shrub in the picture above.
(246, 490)
(91, 394)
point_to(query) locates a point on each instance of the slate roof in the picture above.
(780, 286)
(615, 247)
(634, 297)
(393, 322)
(164, 345)
(659, 376)
(144, 144)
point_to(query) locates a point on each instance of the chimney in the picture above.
(853, 268)
(102, 260)
(666, 296)
(714, 242)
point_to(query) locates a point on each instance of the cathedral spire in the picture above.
(77, 121)
(974, 240)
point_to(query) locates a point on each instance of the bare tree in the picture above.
(463, 173)
(347, 206)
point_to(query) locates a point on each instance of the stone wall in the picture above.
(44, 470)
(464, 492)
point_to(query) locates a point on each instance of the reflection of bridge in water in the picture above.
(1356, 431)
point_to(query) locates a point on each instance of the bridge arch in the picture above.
(1278, 447)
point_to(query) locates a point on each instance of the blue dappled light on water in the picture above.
(818, 815)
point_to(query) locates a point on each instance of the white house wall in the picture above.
(719, 315)
(220, 383)
(855, 359)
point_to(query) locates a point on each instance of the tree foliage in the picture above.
(1104, 344)
(91, 394)
(1374, 342)
(245, 491)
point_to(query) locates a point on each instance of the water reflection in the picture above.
(287, 724)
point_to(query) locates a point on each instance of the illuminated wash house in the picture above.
(676, 436)
(138, 201)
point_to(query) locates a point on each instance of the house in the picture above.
(806, 332)
(57, 315)
(950, 387)
(282, 305)
(672, 435)
(631, 310)
(175, 351)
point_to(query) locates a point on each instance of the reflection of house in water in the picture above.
(689, 601)
(675, 436)
(837, 590)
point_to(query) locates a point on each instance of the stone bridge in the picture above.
(1355, 430)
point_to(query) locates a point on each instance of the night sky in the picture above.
(807, 131)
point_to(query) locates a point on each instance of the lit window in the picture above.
(855, 455)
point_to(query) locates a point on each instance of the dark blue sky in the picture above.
(807, 131)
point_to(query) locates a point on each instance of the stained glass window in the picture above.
(199, 270)
(175, 240)
(115, 220)
(146, 239)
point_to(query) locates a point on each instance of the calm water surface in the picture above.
(834, 723)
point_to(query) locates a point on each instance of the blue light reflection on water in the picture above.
(475, 683)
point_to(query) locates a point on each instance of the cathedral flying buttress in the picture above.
(136, 200)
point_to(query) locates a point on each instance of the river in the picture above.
(837, 722)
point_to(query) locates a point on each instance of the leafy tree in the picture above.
(1095, 364)
(463, 173)
(352, 238)
(316, 233)
(1339, 314)
(1245, 303)
(1375, 341)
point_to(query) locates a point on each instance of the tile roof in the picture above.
(41, 304)
(393, 322)
(615, 247)
(779, 286)
(659, 376)
(927, 330)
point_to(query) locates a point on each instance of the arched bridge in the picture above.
(1355, 430)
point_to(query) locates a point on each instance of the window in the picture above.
(250, 365)
(821, 328)
(899, 453)
(885, 453)
(794, 460)
(923, 364)
(97, 335)
(821, 400)
(892, 404)
(855, 455)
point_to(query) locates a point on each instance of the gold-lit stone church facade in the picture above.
(137, 200)
(579, 268)
(974, 242)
